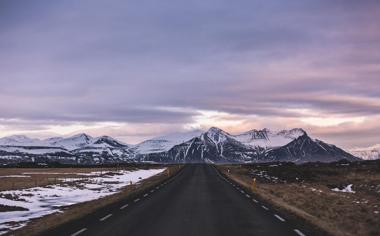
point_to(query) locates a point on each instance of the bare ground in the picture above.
(306, 191)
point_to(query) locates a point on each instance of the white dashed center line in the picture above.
(145, 195)
(79, 232)
(299, 232)
(279, 217)
(137, 199)
(106, 217)
(152, 190)
(126, 205)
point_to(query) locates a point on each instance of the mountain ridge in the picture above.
(367, 153)
(212, 146)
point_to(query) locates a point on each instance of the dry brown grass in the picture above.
(37, 226)
(341, 214)
(43, 176)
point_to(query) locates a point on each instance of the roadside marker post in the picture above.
(254, 185)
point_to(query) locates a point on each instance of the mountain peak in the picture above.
(257, 134)
(107, 140)
(72, 142)
(292, 133)
(216, 135)
(81, 135)
(215, 130)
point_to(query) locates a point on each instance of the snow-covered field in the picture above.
(40, 201)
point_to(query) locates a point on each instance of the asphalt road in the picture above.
(198, 201)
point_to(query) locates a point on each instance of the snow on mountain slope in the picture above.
(33, 150)
(217, 135)
(268, 139)
(106, 142)
(108, 146)
(20, 140)
(52, 140)
(80, 148)
(73, 142)
(164, 143)
(213, 145)
(218, 146)
(69, 143)
(368, 153)
(306, 149)
(262, 138)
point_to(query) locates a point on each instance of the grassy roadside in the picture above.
(21, 178)
(309, 197)
(70, 213)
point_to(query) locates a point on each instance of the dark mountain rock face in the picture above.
(304, 149)
(205, 149)
(109, 141)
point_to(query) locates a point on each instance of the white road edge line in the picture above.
(79, 232)
(279, 217)
(126, 205)
(248, 196)
(255, 200)
(299, 232)
(136, 200)
(266, 208)
(152, 190)
(145, 195)
(106, 217)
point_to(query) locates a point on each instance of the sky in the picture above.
(144, 68)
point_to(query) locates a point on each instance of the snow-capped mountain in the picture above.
(305, 149)
(104, 149)
(267, 138)
(164, 143)
(80, 148)
(71, 143)
(214, 145)
(368, 153)
(20, 140)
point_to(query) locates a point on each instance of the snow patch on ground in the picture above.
(347, 189)
(46, 200)
(15, 176)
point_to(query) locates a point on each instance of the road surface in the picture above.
(197, 201)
